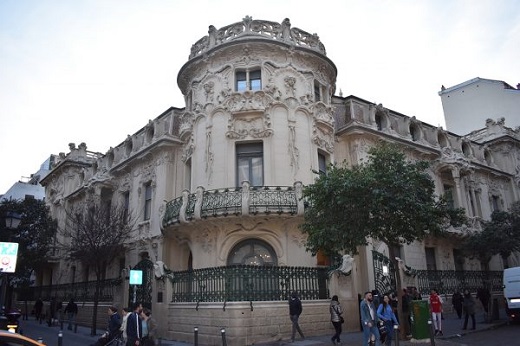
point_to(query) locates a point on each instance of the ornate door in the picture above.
(384, 273)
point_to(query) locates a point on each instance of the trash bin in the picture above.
(419, 316)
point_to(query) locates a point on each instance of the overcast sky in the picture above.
(96, 71)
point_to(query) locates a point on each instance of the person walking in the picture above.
(369, 319)
(151, 328)
(468, 304)
(405, 308)
(295, 310)
(134, 326)
(114, 324)
(386, 313)
(456, 301)
(336, 319)
(38, 307)
(71, 310)
(436, 310)
(124, 318)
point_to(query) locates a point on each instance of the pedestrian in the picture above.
(124, 318)
(436, 310)
(71, 310)
(295, 310)
(484, 296)
(386, 313)
(38, 307)
(114, 324)
(469, 309)
(406, 300)
(456, 301)
(415, 294)
(336, 318)
(134, 326)
(151, 328)
(52, 311)
(369, 319)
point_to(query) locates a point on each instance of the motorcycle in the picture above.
(9, 320)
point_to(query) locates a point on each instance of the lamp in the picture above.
(12, 220)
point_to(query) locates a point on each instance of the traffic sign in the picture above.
(8, 257)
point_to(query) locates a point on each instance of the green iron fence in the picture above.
(248, 283)
(80, 291)
(448, 281)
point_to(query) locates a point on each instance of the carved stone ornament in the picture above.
(323, 138)
(255, 125)
(248, 101)
(206, 239)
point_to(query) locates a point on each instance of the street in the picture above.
(505, 335)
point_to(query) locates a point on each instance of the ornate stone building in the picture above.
(216, 186)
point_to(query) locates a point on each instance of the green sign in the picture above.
(136, 277)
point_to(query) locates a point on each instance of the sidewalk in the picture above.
(451, 327)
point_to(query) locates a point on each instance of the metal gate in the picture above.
(143, 293)
(384, 273)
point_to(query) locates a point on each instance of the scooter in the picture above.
(9, 320)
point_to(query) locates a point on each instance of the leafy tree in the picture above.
(387, 198)
(499, 236)
(35, 237)
(95, 236)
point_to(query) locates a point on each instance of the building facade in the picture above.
(216, 186)
(478, 99)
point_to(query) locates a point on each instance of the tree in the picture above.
(95, 236)
(386, 198)
(499, 236)
(35, 237)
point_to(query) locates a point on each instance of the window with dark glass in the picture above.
(248, 80)
(147, 201)
(317, 92)
(250, 163)
(322, 163)
(252, 252)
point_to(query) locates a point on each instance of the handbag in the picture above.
(341, 319)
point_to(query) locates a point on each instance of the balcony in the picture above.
(244, 200)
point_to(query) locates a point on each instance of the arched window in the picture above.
(252, 252)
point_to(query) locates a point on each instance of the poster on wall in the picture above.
(8, 257)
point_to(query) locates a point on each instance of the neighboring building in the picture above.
(30, 187)
(476, 100)
(216, 186)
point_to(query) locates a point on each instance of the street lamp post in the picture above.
(12, 221)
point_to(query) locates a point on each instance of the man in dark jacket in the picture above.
(295, 310)
(134, 327)
(114, 324)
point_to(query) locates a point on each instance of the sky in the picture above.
(95, 71)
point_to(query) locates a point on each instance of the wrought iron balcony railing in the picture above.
(244, 200)
(249, 283)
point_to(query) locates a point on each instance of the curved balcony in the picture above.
(264, 29)
(244, 200)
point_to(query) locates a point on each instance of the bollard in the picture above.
(396, 334)
(196, 335)
(223, 332)
(40, 340)
(432, 333)
(60, 338)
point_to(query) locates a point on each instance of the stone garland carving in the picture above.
(206, 238)
(209, 155)
(323, 139)
(188, 149)
(253, 126)
(294, 153)
(290, 86)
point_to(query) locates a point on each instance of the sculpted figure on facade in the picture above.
(290, 86)
(293, 151)
(209, 91)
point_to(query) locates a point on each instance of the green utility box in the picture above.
(419, 316)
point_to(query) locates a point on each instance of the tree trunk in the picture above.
(400, 317)
(95, 308)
